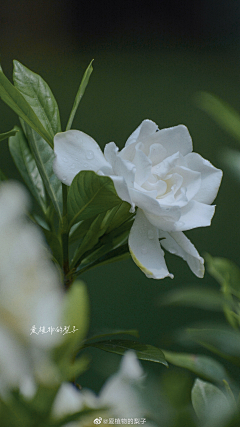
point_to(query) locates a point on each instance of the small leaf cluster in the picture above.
(215, 394)
(85, 225)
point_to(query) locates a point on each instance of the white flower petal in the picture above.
(177, 243)
(176, 139)
(211, 178)
(194, 215)
(145, 129)
(143, 166)
(122, 190)
(152, 206)
(165, 167)
(76, 151)
(145, 248)
(67, 401)
(191, 180)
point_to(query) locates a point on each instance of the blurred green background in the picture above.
(139, 72)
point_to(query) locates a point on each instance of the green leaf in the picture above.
(27, 167)
(80, 94)
(8, 134)
(89, 195)
(79, 230)
(16, 101)
(220, 111)
(197, 296)
(44, 157)
(2, 176)
(39, 96)
(221, 340)
(113, 333)
(75, 314)
(78, 367)
(119, 254)
(225, 272)
(209, 403)
(90, 239)
(55, 245)
(203, 366)
(117, 216)
(143, 351)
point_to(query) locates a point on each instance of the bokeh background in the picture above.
(151, 58)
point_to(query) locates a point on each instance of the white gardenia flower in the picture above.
(123, 394)
(158, 173)
(30, 294)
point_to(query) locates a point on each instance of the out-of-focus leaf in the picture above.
(76, 316)
(44, 156)
(2, 176)
(8, 134)
(210, 404)
(225, 272)
(143, 351)
(55, 245)
(16, 101)
(231, 158)
(27, 167)
(197, 296)
(90, 195)
(222, 340)
(204, 366)
(39, 96)
(80, 94)
(224, 114)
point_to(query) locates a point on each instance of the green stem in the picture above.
(65, 237)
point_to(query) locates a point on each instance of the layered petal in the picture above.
(153, 207)
(145, 248)
(76, 151)
(194, 215)
(144, 130)
(176, 139)
(210, 178)
(178, 244)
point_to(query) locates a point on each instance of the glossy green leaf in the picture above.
(117, 216)
(112, 245)
(44, 156)
(16, 101)
(210, 404)
(80, 94)
(119, 254)
(79, 230)
(225, 272)
(197, 296)
(90, 239)
(7, 135)
(220, 111)
(27, 167)
(89, 195)
(143, 351)
(113, 333)
(39, 96)
(204, 366)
